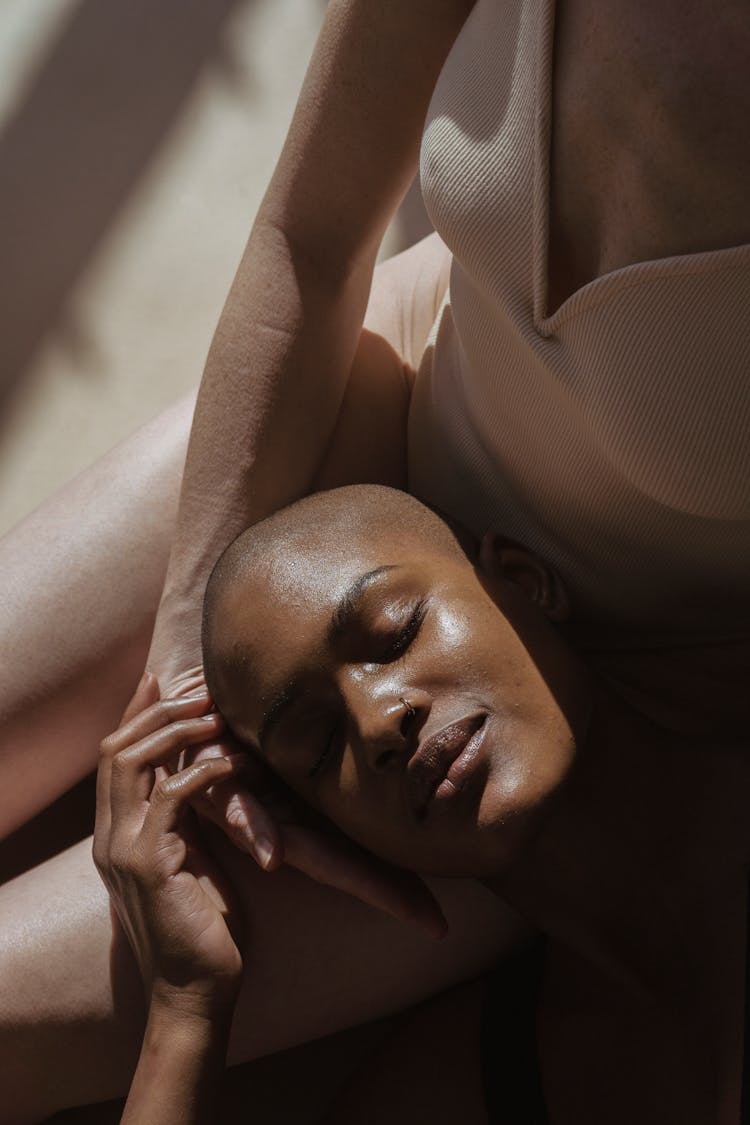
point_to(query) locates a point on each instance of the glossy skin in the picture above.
(173, 903)
(461, 646)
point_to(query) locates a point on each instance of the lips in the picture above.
(429, 766)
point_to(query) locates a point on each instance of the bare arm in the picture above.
(180, 1069)
(175, 907)
(278, 366)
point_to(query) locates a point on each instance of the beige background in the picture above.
(136, 139)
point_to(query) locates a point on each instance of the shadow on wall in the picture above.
(103, 100)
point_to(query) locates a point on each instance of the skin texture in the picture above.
(78, 609)
(168, 897)
(291, 325)
(181, 920)
(649, 157)
(625, 842)
(427, 626)
(78, 1020)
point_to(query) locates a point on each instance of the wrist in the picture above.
(182, 1059)
(194, 1006)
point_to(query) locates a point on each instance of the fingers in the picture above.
(132, 770)
(247, 823)
(151, 719)
(340, 863)
(132, 767)
(131, 736)
(172, 795)
(243, 814)
(146, 694)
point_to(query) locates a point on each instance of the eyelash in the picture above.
(397, 647)
(330, 745)
(400, 644)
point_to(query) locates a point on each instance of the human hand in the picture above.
(264, 818)
(173, 902)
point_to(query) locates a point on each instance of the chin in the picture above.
(514, 811)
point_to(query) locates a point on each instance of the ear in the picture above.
(503, 559)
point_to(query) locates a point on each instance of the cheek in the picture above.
(452, 627)
(343, 799)
(462, 650)
(366, 815)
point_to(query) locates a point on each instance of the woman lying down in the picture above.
(431, 707)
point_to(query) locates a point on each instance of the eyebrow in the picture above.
(348, 605)
(341, 619)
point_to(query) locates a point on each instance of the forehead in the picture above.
(312, 577)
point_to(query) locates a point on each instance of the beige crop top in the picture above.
(612, 436)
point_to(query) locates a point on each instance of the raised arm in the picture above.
(278, 366)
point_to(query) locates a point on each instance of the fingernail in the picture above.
(199, 693)
(263, 852)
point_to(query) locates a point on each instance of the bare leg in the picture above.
(82, 577)
(316, 961)
(85, 573)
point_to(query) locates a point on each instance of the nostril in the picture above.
(385, 759)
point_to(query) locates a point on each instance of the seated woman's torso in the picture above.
(586, 388)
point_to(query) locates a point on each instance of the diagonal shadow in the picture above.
(104, 97)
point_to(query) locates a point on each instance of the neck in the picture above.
(634, 831)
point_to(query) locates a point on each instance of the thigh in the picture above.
(85, 574)
(316, 961)
(82, 576)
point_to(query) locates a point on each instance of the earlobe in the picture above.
(508, 561)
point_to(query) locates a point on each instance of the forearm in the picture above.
(178, 1080)
(269, 399)
(279, 363)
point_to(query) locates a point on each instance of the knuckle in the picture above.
(99, 856)
(162, 711)
(120, 763)
(236, 819)
(116, 860)
(163, 791)
(108, 746)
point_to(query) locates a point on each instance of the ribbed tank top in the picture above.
(611, 436)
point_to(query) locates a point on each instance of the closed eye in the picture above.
(395, 648)
(405, 636)
(330, 747)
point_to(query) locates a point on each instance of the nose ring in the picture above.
(409, 709)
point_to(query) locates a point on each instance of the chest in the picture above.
(586, 163)
(594, 133)
(649, 105)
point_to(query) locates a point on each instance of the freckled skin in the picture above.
(481, 647)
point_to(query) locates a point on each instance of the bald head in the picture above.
(298, 549)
